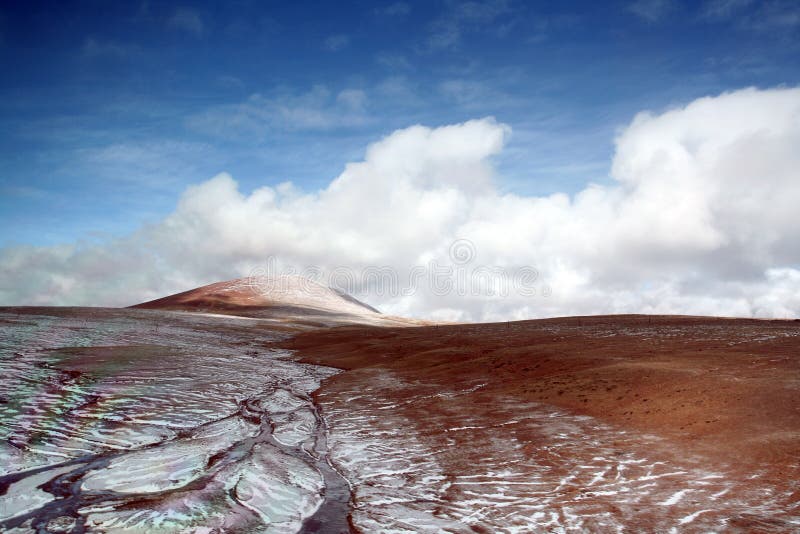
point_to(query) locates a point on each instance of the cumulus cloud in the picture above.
(700, 218)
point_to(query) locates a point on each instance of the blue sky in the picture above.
(108, 111)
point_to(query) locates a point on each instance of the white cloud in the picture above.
(701, 218)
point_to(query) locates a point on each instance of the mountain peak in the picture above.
(257, 295)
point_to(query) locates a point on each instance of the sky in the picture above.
(149, 147)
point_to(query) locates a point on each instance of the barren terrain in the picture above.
(228, 410)
(619, 422)
(151, 421)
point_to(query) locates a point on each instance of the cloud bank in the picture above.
(700, 218)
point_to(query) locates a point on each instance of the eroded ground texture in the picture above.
(132, 421)
(157, 421)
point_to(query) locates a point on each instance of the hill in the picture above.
(269, 296)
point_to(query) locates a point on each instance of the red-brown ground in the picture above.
(725, 389)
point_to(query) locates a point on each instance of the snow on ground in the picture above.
(142, 421)
(134, 421)
(293, 291)
(514, 467)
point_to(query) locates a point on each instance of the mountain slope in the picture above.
(265, 295)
